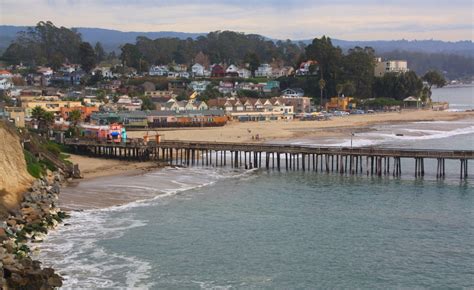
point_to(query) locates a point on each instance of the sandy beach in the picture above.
(98, 167)
(285, 130)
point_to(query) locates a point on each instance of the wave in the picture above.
(75, 249)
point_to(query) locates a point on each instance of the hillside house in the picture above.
(264, 70)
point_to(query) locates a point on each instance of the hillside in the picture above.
(14, 177)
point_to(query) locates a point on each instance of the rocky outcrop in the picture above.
(37, 215)
(14, 177)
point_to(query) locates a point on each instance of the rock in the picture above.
(11, 222)
(3, 235)
(55, 281)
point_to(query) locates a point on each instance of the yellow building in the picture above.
(341, 104)
(17, 115)
(49, 106)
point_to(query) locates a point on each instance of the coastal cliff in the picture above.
(27, 212)
(14, 177)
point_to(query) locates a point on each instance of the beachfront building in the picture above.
(300, 104)
(341, 104)
(389, 66)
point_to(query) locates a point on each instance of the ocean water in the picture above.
(219, 228)
(459, 97)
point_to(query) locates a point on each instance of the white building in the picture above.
(390, 66)
(292, 93)
(232, 69)
(199, 86)
(158, 70)
(265, 70)
(244, 73)
(197, 70)
(6, 83)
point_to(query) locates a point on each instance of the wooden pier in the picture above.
(370, 161)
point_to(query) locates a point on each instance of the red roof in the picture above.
(5, 72)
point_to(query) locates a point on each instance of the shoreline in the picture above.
(283, 130)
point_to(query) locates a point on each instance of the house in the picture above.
(16, 115)
(292, 93)
(283, 72)
(389, 66)
(105, 71)
(6, 83)
(177, 85)
(45, 71)
(244, 73)
(180, 68)
(271, 86)
(226, 87)
(158, 70)
(264, 70)
(300, 104)
(199, 86)
(86, 112)
(248, 86)
(197, 70)
(217, 71)
(232, 71)
(309, 67)
(5, 74)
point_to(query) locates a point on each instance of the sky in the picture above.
(290, 19)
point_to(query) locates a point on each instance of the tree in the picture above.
(130, 56)
(45, 119)
(38, 113)
(322, 85)
(434, 78)
(202, 59)
(99, 52)
(254, 62)
(358, 68)
(48, 119)
(87, 57)
(329, 59)
(75, 117)
(44, 44)
(147, 103)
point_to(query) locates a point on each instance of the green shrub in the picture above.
(33, 167)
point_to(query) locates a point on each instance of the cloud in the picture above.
(295, 19)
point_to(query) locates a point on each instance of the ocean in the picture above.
(220, 228)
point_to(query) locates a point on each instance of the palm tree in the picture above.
(322, 85)
(38, 113)
(75, 117)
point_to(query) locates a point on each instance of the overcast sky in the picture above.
(294, 19)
